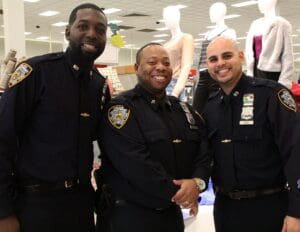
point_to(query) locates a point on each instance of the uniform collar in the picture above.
(75, 66)
(150, 98)
(236, 93)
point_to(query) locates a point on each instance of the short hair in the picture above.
(72, 16)
(139, 52)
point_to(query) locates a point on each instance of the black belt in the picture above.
(49, 186)
(122, 202)
(248, 194)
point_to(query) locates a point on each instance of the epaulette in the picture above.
(262, 82)
(46, 57)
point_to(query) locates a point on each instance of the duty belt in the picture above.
(49, 186)
(248, 194)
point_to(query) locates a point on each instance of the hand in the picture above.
(194, 209)
(187, 194)
(9, 224)
(291, 224)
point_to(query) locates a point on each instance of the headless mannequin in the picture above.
(206, 84)
(180, 49)
(269, 46)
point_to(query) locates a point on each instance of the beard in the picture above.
(82, 56)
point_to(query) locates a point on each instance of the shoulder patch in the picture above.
(118, 115)
(22, 71)
(287, 99)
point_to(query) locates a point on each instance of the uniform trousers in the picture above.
(260, 214)
(57, 211)
(134, 218)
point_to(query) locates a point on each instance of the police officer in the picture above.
(254, 127)
(48, 119)
(153, 160)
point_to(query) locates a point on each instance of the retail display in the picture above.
(180, 49)
(7, 67)
(112, 75)
(269, 50)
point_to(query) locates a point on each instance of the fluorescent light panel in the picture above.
(161, 35)
(115, 21)
(49, 13)
(111, 10)
(246, 3)
(42, 38)
(32, 1)
(162, 29)
(59, 24)
(158, 41)
(232, 16)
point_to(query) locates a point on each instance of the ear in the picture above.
(242, 56)
(136, 66)
(67, 32)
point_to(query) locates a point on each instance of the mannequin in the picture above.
(269, 46)
(180, 49)
(206, 84)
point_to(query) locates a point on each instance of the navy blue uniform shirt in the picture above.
(39, 122)
(255, 135)
(147, 144)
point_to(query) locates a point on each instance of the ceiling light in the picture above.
(42, 38)
(181, 6)
(27, 33)
(111, 10)
(115, 21)
(162, 29)
(158, 41)
(232, 16)
(298, 29)
(49, 13)
(246, 3)
(59, 24)
(296, 45)
(241, 38)
(31, 1)
(211, 27)
(202, 33)
(161, 35)
(294, 35)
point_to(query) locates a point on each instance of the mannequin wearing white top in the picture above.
(206, 84)
(268, 50)
(180, 49)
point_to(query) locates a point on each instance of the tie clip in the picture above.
(85, 115)
(226, 141)
(177, 141)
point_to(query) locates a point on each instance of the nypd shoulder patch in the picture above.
(287, 99)
(22, 71)
(118, 115)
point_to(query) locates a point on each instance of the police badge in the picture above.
(287, 99)
(118, 116)
(19, 74)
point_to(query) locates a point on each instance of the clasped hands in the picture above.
(187, 196)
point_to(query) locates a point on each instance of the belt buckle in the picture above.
(68, 184)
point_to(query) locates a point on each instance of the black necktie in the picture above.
(85, 152)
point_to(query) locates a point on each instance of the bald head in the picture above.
(224, 62)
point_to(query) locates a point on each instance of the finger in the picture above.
(177, 182)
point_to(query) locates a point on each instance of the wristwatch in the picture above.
(200, 184)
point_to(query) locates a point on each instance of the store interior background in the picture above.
(141, 22)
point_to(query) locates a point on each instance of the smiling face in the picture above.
(224, 62)
(153, 69)
(87, 34)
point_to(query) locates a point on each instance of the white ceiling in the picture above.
(194, 18)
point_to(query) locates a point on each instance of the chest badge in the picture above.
(247, 113)
(118, 116)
